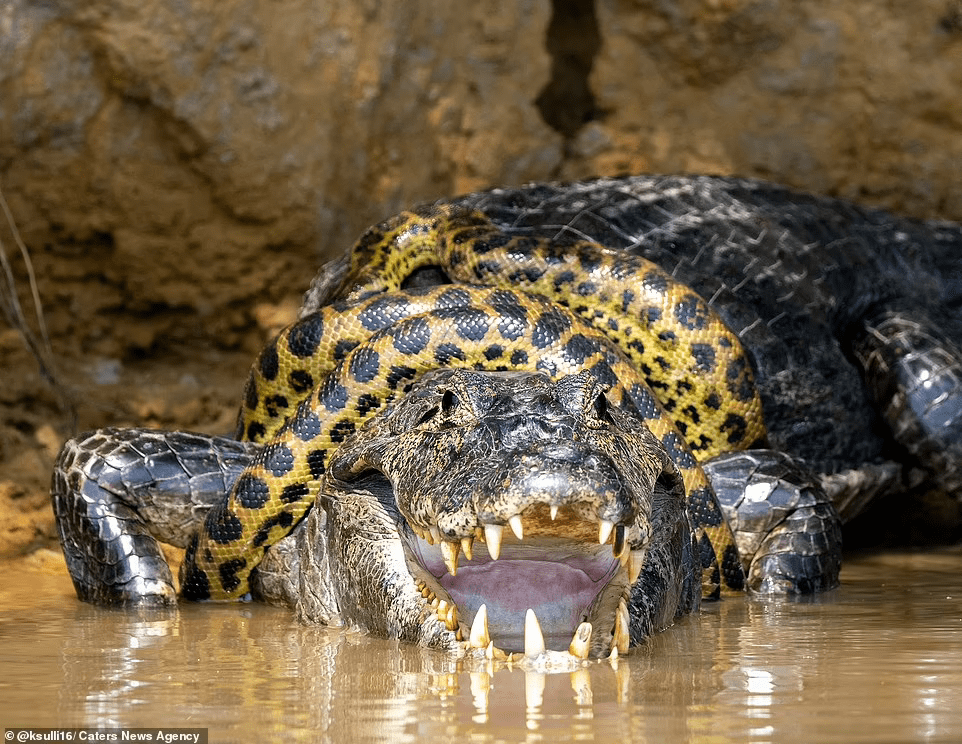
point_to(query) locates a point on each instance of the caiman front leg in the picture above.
(787, 530)
(116, 492)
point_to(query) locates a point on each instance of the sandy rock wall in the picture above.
(178, 169)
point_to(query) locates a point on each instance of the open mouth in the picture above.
(523, 510)
(551, 581)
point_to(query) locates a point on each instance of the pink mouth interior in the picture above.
(557, 579)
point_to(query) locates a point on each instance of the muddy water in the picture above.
(879, 660)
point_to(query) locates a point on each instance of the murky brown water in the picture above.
(879, 660)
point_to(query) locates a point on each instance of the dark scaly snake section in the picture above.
(685, 373)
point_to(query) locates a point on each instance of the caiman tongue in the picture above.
(562, 566)
(556, 578)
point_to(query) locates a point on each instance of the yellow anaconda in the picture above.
(621, 317)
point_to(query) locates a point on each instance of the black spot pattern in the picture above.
(519, 357)
(382, 312)
(732, 568)
(454, 298)
(305, 337)
(493, 352)
(274, 404)
(565, 277)
(579, 348)
(367, 403)
(589, 260)
(306, 425)
(278, 459)
(315, 463)
(736, 427)
(342, 430)
(512, 317)
(411, 335)
(706, 553)
(251, 492)
(228, 573)
(678, 450)
(255, 431)
(333, 396)
(655, 283)
(195, 585)
(704, 508)
(549, 327)
(527, 275)
(603, 373)
(250, 395)
(283, 520)
(365, 365)
(645, 402)
(344, 347)
(222, 526)
(704, 356)
(300, 380)
(447, 352)
(268, 363)
(294, 492)
(691, 313)
(739, 381)
(399, 374)
(470, 323)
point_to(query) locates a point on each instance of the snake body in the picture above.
(517, 303)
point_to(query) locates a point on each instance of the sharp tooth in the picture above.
(449, 552)
(554, 512)
(467, 547)
(621, 639)
(533, 638)
(581, 641)
(515, 524)
(604, 531)
(451, 618)
(435, 534)
(479, 637)
(618, 547)
(494, 653)
(534, 684)
(492, 536)
(636, 561)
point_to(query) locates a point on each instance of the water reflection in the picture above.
(879, 659)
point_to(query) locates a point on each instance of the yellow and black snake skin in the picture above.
(540, 306)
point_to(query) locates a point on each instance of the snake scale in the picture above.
(516, 303)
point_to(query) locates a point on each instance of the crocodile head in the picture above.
(479, 496)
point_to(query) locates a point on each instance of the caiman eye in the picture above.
(448, 401)
(602, 408)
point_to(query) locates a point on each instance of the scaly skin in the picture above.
(283, 482)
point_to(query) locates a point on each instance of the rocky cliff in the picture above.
(177, 170)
